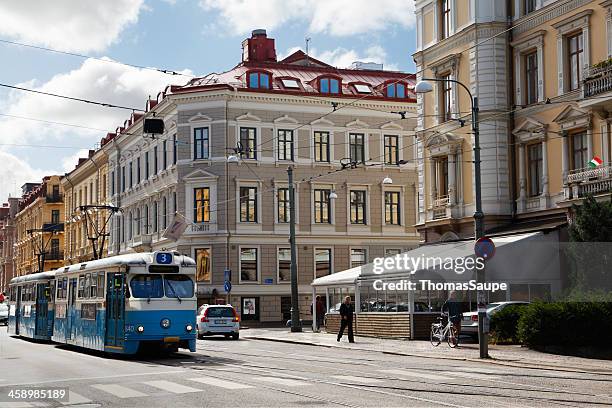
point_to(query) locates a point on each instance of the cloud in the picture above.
(68, 25)
(93, 80)
(337, 17)
(14, 172)
(343, 58)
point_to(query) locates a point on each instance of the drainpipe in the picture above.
(227, 185)
(511, 120)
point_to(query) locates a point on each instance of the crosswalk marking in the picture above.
(119, 390)
(415, 374)
(481, 370)
(353, 378)
(283, 381)
(74, 398)
(171, 387)
(230, 385)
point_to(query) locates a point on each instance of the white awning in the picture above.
(455, 250)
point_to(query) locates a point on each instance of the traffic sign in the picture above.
(484, 248)
(227, 275)
(228, 286)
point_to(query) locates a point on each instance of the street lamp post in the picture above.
(296, 325)
(423, 87)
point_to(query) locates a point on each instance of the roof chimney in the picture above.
(258, 48)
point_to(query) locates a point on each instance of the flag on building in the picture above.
(595, 162)
(177, 227)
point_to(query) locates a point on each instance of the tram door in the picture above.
(115, 309)
(42, 309)
(71, 313)
(17, 309)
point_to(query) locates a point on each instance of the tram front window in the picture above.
(178, 286)
(147, 286)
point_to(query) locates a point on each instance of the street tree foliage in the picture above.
(590, 248)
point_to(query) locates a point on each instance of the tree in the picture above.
(590, 248)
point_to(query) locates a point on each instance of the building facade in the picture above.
(39, 226)
(353, 161)
(8, 211)
(87, 222)
(540, 78)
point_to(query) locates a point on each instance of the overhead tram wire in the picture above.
(104, 104)
(74, 54)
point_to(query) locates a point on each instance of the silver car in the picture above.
(4, 313)
(218, 319)
(469, 323)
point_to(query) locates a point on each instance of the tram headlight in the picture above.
(189, 328)
(140, 329)
(165, 323)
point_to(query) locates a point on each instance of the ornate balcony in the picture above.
(439, 207)
(598, 79)
(582, 182)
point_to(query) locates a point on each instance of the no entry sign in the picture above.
(484, 248)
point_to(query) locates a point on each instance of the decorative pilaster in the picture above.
(589, 135)
(522, 180)
(452, 163)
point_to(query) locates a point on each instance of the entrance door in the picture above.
(115, 309)
(42, 309)
(71, 312)
(17, 309)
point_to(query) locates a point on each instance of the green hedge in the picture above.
(504, 325)
(572, 324)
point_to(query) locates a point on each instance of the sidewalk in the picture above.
(504, 355)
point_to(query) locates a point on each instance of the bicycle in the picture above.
(440, 332)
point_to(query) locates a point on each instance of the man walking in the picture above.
(346, 319)
(320, 308)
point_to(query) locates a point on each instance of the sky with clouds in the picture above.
(42, 135)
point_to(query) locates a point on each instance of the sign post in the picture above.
(227, 285)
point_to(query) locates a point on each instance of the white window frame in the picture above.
(402, 197)
(565, 28)
(332, 204)
(255, 282)
(365, 252)
(358, 187)
(249, 183)
(278, 281)
(331, 260)
(522, 48)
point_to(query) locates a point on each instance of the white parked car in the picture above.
(218, 320)
(469, 323)
(4, 313)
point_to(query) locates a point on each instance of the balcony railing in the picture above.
(54, 256)
(585, 181)
(54, 198)
(439, 207)
(441, 201)
(53, 226)
(598, 80)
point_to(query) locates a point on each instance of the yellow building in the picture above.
(86, 225)
(540, 73)
(40, 227)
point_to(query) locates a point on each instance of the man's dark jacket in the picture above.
(347, 310)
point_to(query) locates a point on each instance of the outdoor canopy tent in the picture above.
(523, 258)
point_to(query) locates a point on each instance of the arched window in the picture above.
(258, 80)
(329, 85)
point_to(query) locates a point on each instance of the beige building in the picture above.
(539, 70)
(297, 112)
(39, 226)
(8, 211)
(87, 225)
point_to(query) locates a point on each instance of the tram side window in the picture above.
(100, 284)
(51, 293)
(93, 286)
(81, 286)
(62, 288)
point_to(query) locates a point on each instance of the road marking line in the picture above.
(15, 404)
(415, 374)
(364, 380)
(477, 376)
(171, 387)
(75, 398)
(230, 385)
(102, 377)
(119, 390)
(282, 381)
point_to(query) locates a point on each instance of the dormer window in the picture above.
(259, 80)
(395, 90)
(363, 88)
(289, 83)
(329, 85)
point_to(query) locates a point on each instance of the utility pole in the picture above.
(296, 325)
(483, 341)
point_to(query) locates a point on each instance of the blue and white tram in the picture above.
(31, 305)
(120, 303)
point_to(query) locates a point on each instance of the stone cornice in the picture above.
(550, 12)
